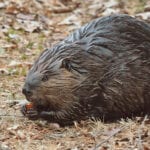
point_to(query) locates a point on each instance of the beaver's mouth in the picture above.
(33, 100)
(30, 99)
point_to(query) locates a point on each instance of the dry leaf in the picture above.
(144, 16)
(4, 71)
(2, 5)
(71, 20)
(111, 3)
(26, 16)
(14, 127)
(29, 26)
(14, 63)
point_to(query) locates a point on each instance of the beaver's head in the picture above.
(59, 77)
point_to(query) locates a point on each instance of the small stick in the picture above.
(140, 146)
(104, 141)
(3, 115)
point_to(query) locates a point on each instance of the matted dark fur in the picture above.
(101, 70)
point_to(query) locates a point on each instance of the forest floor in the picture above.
(26, 28)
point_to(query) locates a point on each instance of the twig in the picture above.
(104, 141)
(140, 133)
(3, 115)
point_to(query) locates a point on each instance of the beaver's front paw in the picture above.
(29, 111)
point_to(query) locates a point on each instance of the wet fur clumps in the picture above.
(101, 71)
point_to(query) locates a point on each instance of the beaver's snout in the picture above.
(31, 84)
(27, 92)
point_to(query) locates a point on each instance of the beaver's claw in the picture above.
(30, 113)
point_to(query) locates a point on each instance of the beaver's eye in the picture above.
(66, 64)
(45, 78)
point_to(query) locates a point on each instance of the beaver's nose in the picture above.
(27, 92)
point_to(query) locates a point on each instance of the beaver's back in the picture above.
(109, 36)
(111, 27)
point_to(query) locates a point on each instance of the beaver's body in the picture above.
(101, 70)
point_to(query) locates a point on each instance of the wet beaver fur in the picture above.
(101, 70)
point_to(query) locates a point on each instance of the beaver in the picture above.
(100, 71)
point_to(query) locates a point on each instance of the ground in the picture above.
(26, 28)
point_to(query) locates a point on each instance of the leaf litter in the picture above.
(29, 26)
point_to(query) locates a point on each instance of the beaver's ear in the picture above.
(66, 63)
